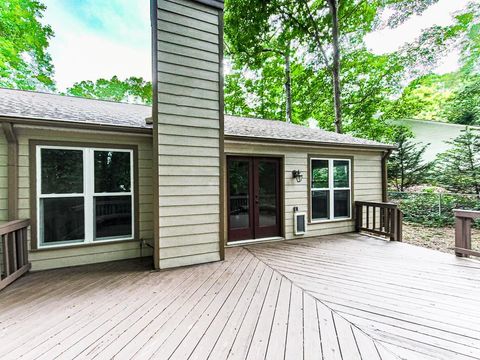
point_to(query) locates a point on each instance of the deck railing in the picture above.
(384, 219)
(463, 232)
(14, 253)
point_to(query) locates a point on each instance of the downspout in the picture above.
(12, 170)
(385, 157)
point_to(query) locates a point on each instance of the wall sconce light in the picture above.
(297, 175)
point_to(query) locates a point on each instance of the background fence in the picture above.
(432, 208)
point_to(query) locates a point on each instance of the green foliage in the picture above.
(458, 169)
(425, 98)
(464, 105)
(469, 20)
(453, 97)
(24, 61)
(406, 166)
(256, 38)
(433, 209)
(133, 89)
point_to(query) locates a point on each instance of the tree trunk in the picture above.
(336, 66)
(288, 86)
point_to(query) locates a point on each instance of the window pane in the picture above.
(112, 171)
(341, 203)
(320, 204)
(62, 171)
(341, 174)
(62, 220)
(239, 184)
(319, 174)
(113, 216)
(267, 193)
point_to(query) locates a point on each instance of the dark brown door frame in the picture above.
(245, 233)
(255, 231)
(266, 231)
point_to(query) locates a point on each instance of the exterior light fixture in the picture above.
(297, 175)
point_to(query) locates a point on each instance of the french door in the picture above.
(253, 198)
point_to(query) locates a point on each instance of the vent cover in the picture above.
(300, 223)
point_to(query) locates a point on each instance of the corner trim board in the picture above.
(222, 158)
(12, 174)
(155, 162)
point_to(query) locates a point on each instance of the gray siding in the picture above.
(189, 129)
(367, 179)
(55, 258)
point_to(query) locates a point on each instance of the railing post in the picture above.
(463, 232)
(3, 268)
(399, 225)
(394, 230)
(459, 235)
(358, 211)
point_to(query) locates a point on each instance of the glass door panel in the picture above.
(267, 193)
(266, 188)
(239, 198)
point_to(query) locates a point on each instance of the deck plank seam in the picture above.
(320, 301)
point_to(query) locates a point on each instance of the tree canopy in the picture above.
(453, 97)
(24, 61)
(132, 89)
(259, 33)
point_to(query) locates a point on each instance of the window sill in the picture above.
(85, 245)
(318, 222)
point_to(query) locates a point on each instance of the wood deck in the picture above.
(344, 297)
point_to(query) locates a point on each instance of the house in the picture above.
(434, 134)
(179, 181)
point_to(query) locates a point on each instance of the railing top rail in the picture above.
(469, 214)
(377, 204)
(12, 226)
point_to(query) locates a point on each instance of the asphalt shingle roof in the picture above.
(35, 105)
(43, 106)
(278, 130)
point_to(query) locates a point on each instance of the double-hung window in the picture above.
(84, 195)
(330, 189)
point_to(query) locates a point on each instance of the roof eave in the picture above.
(309, 143)
(74, 125)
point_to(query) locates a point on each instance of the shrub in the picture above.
(433, 209)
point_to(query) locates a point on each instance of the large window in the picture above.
(84, 195)
(330, 186)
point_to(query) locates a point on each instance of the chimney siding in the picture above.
(190, 131)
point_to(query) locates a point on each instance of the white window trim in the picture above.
(88, 194)
(331, 189)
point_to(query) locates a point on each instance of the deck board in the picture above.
(346, 297)
(415, 300)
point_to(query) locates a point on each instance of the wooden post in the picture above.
(399, 225)
(460, 232)
(358, 210)
(394, 230)
(463, 232)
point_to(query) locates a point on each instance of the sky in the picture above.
(99, 38)
(102, 38)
